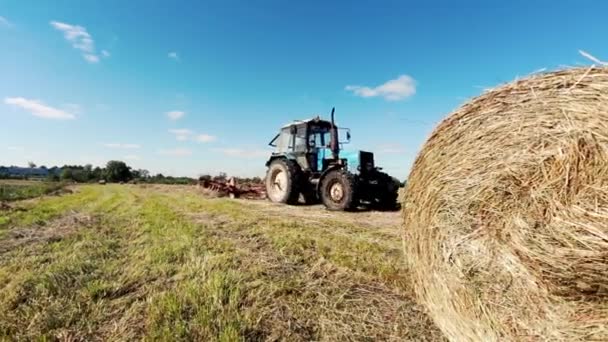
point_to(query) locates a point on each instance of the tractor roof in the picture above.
(312, 120)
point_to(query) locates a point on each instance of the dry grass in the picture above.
(43, 233)
(120, 262)
(506, 212)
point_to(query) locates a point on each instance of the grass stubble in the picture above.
(163, 263)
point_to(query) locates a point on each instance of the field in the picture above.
(124, 262)
(13, 190)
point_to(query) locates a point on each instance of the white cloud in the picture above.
(181, 134)
(181, 131)
(80, 39)
(204, 138)
(123, 146)
(400, 88)
(173, 55)
(243, 153)
(39, 109)
(176, 152)
(175, 114)
(91, 58)
(5, 22)
(105, 53)
(132, 157)
(390, 149)
(15, 148)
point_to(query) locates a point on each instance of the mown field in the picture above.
(14, 190)
(124, 262)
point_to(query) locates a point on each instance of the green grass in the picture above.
(19, 190)
(126, 262)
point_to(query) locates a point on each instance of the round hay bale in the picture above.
(506, 212)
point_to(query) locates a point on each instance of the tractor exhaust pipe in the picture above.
(334, 146)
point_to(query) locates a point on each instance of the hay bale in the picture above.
(506, 212)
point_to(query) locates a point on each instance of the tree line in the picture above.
(115, 171)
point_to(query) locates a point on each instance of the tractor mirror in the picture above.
(347, 131)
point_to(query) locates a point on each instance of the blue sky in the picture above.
(191, 87)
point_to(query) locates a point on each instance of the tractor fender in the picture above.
(271, 159)
(278, 156)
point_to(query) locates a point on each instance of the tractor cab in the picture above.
(308, 142)
(308, 161)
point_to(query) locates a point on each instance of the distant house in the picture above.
(16, 171)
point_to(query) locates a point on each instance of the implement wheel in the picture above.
(283, 181)
(338, 190)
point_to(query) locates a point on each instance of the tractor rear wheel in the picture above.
(338, 190)
(283, 181)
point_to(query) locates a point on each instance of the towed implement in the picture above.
(309, 163)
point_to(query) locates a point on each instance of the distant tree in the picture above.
(80, 176)
(86, 174)
(66, 174)
(31, 164)
(52, 177)
(55, 170)
(97, 173)
(144, 173)
(117, 171)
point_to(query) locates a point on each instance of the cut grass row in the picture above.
(123, 263)
(13, 191)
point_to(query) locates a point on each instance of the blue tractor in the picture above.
(308, 163)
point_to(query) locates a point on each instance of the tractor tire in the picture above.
(283, 181)
(338, 191)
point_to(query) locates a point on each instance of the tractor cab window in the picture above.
(300, 141)
(315, 140)
(320, 136)
(319, 139)
(283, 142)
(326, 139)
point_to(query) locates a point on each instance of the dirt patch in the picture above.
(5, 206)
(61, 191)
(383, 222)
(44, 233)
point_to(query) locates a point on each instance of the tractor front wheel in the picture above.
(338, 190)
(283, 181)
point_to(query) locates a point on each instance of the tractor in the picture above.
(308, 163)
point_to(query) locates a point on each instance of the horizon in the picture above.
(189, 88)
